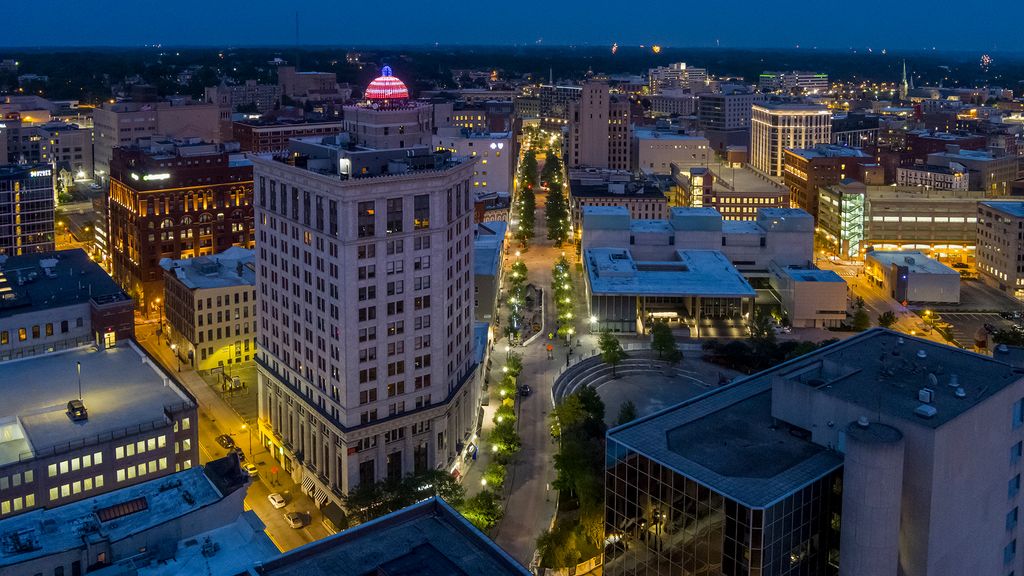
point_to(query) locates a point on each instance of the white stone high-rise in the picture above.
(777, 126)
(365, 288)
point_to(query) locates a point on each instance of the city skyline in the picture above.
(561, 24)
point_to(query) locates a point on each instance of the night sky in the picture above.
(991, 26)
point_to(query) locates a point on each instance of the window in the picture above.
(1018, 414)
(1011, 518)
(1014, 486)
(365, 219)
(421, 211)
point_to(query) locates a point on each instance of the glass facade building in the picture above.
(660, 522)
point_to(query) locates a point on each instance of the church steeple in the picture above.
(904, 86)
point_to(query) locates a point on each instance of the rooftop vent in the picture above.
(863, 422)
(926, 411)
(899, 340)
(922, 354)
(925, 395)
(960, 393)
(954, 381)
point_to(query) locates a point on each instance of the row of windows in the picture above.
(76, 487)
(140, 447)
(140, 470)
(39, 330)
(75, 464)
(16, 479)
(17, 504)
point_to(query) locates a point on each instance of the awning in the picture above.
(334, 518)
(307, 485)
(319, 496)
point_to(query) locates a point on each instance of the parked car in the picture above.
(295, 519)
(525, 390)
(276, 500)
(251, 470)
(225, 441)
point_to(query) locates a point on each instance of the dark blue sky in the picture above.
(992, 25)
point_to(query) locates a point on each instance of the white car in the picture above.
(276, 500)
(250, 469)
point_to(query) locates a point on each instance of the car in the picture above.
(225, 441)
(276, 500)
(95, 187)
(251, 470)
(240, 452)
(295, 519)
(525, 390)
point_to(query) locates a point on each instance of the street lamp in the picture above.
(249, 431)
(174, 349)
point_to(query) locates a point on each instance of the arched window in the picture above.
(205, 217)
(186, 221)
(166, 223)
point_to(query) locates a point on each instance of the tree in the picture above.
(495, 474)
(886, 319)
(664, 343)
(627, 413)
(483, 510)
(859, 303)
(558, 547)
(762, 329)
(557, 214)
(861, 320)
(611, 350)
(1009, 337)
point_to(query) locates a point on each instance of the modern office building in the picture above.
(387, 118)
(692, 269)
(174, 199)
(599, 129)
(655, 151)
(494, 153)
(677, 76)
(554, 105)
(736, 193)
(134, 423)
(806, 170)
(867, 457)
(210, 308)
(26, 209)
(260, 97)
(428, 538)
(142, 528)
(951, 177)
(371, 377)
(910, 276)
(123, 124)
(59, 300)
(488, 250)
(794, 82)
(1000, 247)
(673, 103)
(262, 136)
(777, 126)
(853, 217)
(67, 147)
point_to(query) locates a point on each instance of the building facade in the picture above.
(775, 127)
(655, 151)
(910, 276)
(174, 199)
(599, 129)
(1000, 255)
(262, 97)
(794, 82)
(494, 152)
(26, 208)
(60, 300)
(805, 171)
(952, 177)
(260, 136)
(139, 425)
(373, 377)
(210, 307)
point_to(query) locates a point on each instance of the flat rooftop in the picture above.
(652, 134)
(235, 266)
(812, 275)
(487, 248)
(1015, 209)
(425, 539)
(121, 388)
(829, 151)
(612, 271)
(976, 155)
(915, 261)
(114, 515)
(36, 282)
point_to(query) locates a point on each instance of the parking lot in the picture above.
(966, 324)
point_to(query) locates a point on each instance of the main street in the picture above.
(216, 417)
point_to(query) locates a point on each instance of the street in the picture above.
(216, 417)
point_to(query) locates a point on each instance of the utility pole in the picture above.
(78, 366)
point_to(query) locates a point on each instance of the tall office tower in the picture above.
(26, 209)
(365, 287)
(775, 127)
(174, 199)
(599, 129)
(387, 118)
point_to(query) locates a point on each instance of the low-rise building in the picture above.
(910, 276)
(210, 307)
(132, 423)
(811, 298)
(806, 170)
(794, 81)
(262, 136)
(737, 193)
(655, 151)
(488, 249)
(137, 528)
(1000, 255)
(261, 97)
(676, 102)
(428, 538)
(992, 174)
(951, 177)
(58, 301)
(494, 155)
(645, 199)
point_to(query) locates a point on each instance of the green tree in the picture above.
(861, 320)
(495, 474)
(504, 436)
(886, 319)
(664, 343)
(611, 350)
(558, 547)
(1008, 337)
(483, 510)
(762, 329)
(627, 413)
(557, 214)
